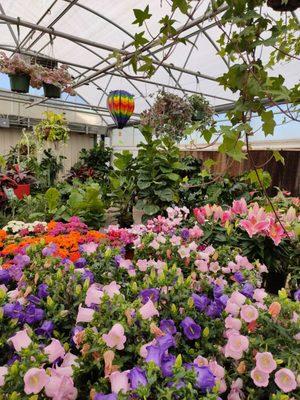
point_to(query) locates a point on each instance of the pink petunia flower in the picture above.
(20, 340)
(233, 323)
(259, 295)
(111, 289)
(238, 298)
(285, 380)
(148, 310)
(35, 379)
(236, 345)
(3, 372)
(93, 295)
(249, 313)
(84, 314)
(54, 350)
(60, 387)
(265, 362)
(119, 382)
(260, 378)
(115, 337)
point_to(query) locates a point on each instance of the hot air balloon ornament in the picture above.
(121, 106)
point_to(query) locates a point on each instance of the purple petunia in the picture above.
(154, 354)
(49, 250)
(42, 291)
(45, 329)
(14, 311)
(137, 377)
(167, 364)
(191, 330)
(248, 290)
(165, 342)
(33, 314)
(297, 295)
(149, 294)
(205, 379)
(4, 276)
(201, 302)
(214, 309)
(168, 326)
(217, 291)
(185, 234)
(101, 396)
(238, 276)
(80, 263)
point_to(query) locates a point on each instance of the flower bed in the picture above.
(162, 311)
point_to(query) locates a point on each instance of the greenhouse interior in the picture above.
(149, 199)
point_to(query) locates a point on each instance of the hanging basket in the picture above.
(51, 91)
(198, 115)
(19, 83)
(281, 5)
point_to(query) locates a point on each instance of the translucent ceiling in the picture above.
(108, 24)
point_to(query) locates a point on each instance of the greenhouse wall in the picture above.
(10, 136)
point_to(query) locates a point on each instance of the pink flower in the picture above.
(236, 390)
(249, 313)
(195, 232)
(115, 337)
(239, 206)
(238, 298)
(89, 248)
(216, 369)
(201, 265)
(20, 340)
(84, 314)
(93, 295)
(201, 361)
(142, 265)
(260, 378)
(265, 362)
(233, 323)
(119, 382)
(236, 345)
(3, 372)
(232, 308)
(60, 387)
(148, 310)
(285, 380)
(214, 266)
(256, 221)
(35, 379)
(259, 295)
(69, 360)
(143, 350)
(276, 232)
(54, 350)
(111, 289)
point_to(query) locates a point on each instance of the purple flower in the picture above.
(14, 311)
(248, 290)
(42, 291)
(185, 234)
(49, 250)
(33, 299)
(168, 326)
(117, 260)
(87, 274)
(238, 276)
(222, 300)
(218, 291)
(21, 260)
(76, 329)
(101, 396)
(15, 271)
(165, 342)
(14, 358)
(191, 330)
(80, 263)
(4, 276)
(167, 364)
(33, 314)
(137, 377)
(149, 294)
(200, 302)
(154, 354)
(45, 329)
(214, 310)
(205, 380)
(297, 295)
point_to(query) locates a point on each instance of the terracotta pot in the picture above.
(22, 190)
(279, 5)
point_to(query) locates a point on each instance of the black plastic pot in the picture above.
(197, 115)
(279, 5)
(19, 83)
(51, 91)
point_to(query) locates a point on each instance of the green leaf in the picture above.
(278, 157)
(139, 40)
(181, 4)
(173, 177)
(268, 122)
(209, 163)
(141, 15)
(231, 145)
(144, 184)
(52, 196)
(151, 209)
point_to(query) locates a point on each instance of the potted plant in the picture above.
(54, 128)
(18, 71)
(284, 5)
(53, 80)
(169, 116)
(202, 111)
(23, 180)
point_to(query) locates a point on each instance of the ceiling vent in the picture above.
(44, 61)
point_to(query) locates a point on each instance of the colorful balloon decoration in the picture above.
(121, 106)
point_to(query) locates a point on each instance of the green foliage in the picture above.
(158, 173)
(53, 128)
